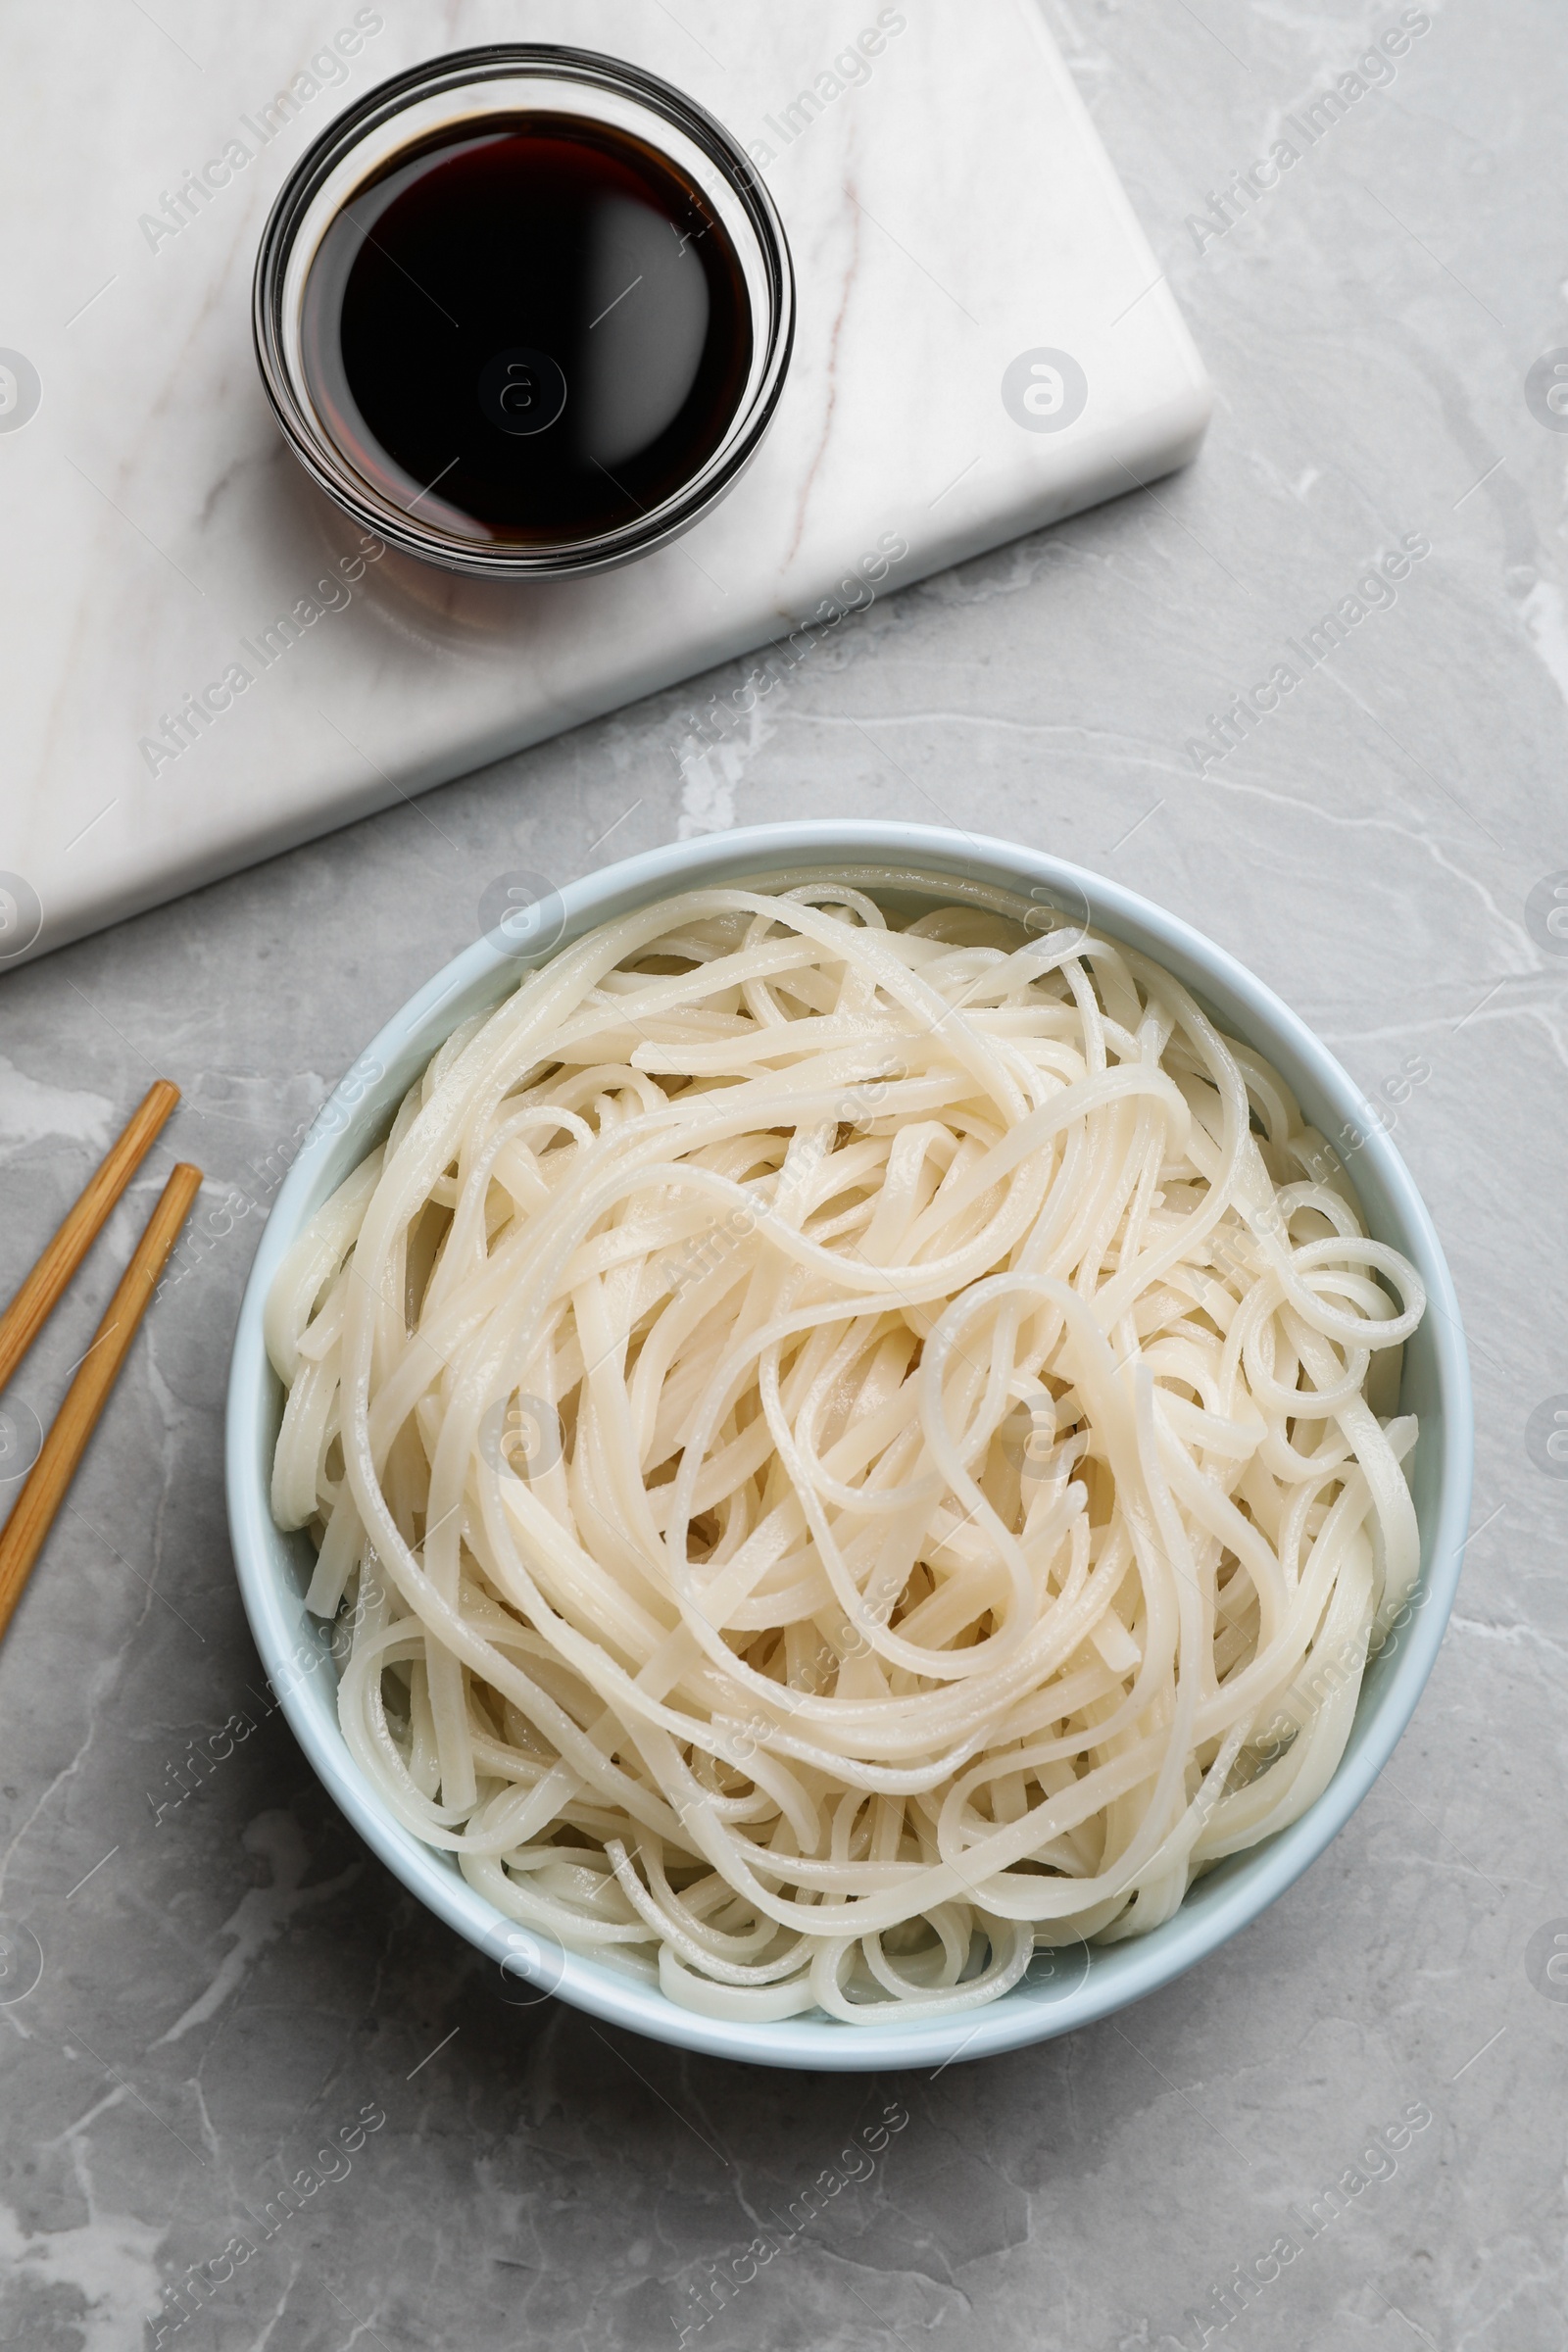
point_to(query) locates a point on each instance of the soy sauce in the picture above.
(533, 332)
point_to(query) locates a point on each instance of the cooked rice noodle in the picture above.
(853, 1453)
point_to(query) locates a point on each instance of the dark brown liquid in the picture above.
(536, 332)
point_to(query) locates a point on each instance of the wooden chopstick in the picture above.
(30, 1309)
(33, 1515)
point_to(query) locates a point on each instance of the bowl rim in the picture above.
(589, 70)
(1215, 1909)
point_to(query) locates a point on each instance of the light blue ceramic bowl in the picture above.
(1060, 1991)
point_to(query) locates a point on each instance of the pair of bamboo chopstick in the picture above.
(33, 1512)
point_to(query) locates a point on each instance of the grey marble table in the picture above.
(229, 1982)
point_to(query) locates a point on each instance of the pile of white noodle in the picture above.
(855, 1453)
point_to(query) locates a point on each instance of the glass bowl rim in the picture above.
(589, 70)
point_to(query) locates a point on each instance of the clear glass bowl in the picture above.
(471, 89)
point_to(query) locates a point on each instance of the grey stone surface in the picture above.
(238, 1979)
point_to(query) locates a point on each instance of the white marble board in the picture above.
(952, 215)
